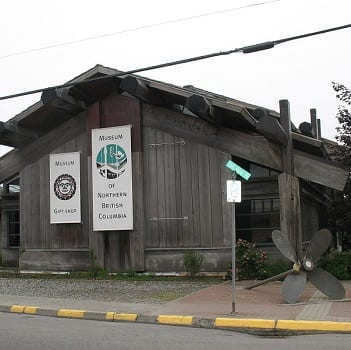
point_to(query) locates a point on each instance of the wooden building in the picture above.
(182, 138)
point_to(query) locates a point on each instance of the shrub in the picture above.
(338, 264)
(192, 262)
(249, 261)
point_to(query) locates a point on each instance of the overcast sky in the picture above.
(300, 71)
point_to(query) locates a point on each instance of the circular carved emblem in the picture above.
(65, 187)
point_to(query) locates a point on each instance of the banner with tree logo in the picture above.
(112, 179)
(65, 188)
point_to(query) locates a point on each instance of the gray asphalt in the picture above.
(19, 331)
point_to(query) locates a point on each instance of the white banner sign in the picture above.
(112, 179)
(65, 188)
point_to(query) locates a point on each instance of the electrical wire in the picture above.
(245, 49)
(147, 26)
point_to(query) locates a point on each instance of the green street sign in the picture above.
(238, 169)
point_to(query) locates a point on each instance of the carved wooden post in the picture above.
(313, 115)
(289, 188)
(316, 124)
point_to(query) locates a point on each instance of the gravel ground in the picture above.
(105, 290)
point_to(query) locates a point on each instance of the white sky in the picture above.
(300, 71)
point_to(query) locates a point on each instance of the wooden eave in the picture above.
(232, 115)
(250, 146)
(229, 114)
(41, 119)
(14, 136)
(309, 144)
(320, 170)
(44, 119)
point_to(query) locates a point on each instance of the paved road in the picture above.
(19, 331)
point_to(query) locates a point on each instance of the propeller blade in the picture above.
(293, 286)
(326, 283)
(282, 242)
(319, 243)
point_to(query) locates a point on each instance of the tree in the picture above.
(344, 117)
(340, 208)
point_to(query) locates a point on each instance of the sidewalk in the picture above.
(261, 308)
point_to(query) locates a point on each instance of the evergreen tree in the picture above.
(340, 209)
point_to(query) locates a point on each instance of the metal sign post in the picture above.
(234, 196)
(233, 252)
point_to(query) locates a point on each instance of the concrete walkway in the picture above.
(260, 309)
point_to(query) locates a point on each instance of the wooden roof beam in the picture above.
(237, 109)
(60, 99)
(14, 136)
(271, 129)
(136, 88)
(140, 89)
(201, 107)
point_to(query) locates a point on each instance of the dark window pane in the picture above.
(256, 219)
(14, 240)
(14, 216)
(275, 204)
(13, 228)
(258, 171)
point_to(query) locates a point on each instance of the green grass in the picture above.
(103, 275)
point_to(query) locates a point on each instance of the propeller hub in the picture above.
(308, 264)
(297, 266)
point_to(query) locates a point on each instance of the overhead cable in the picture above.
(245, 49)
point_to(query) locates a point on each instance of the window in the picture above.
(13, 229)
(259, 212)
(261, 172)
(256, 219)
(10, 210)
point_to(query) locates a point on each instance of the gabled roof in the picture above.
(61, 104)
(100, 81)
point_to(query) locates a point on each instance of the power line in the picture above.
(147, 26)
(245, 49)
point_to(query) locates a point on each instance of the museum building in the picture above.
(133, 171)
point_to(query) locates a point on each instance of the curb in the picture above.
(189, 321)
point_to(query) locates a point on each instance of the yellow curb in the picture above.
(30, 310)
(314, 325)
(110, 316)
(70, 313)
(293, 325)
(181, 320)
(125, 317)
(17, 308)
(244, 323)
(114, 316)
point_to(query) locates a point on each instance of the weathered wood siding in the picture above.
(67, 246)
(121, 250)
(185, 193)
(68, 242)
(179, 191)
(35, 200)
